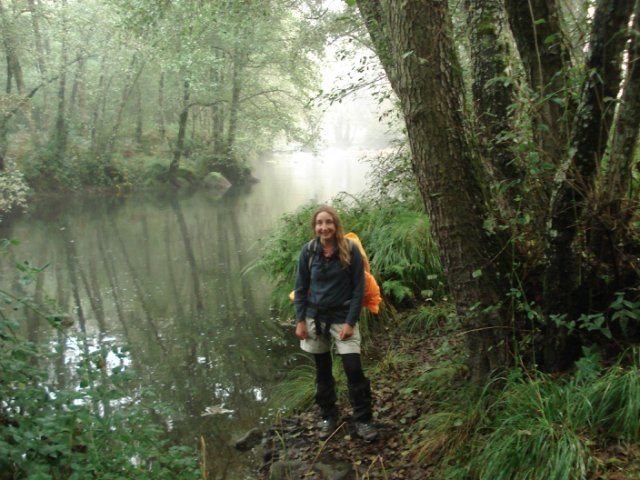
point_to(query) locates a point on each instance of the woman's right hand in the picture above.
(301, 330)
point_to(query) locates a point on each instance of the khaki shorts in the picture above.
(322, 344)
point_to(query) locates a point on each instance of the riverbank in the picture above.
(433, 424)
(394, 359)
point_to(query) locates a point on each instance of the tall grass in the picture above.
(296, 388)
(614, 401)
(537, 433)
(396, 237)
(526, 425)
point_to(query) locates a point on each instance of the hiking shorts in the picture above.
(322, 344)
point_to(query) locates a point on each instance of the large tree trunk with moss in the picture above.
(491, 88)
(535, 25)
(415, 44)
(571, 263)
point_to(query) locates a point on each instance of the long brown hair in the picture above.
(341, 242)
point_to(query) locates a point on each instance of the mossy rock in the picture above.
(216, 181)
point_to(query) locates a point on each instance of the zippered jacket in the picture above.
(324, 290)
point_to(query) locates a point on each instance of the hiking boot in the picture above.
(327, 427)
(366, 431)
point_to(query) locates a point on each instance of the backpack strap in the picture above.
(313, 250)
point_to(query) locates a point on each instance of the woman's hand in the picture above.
(346, 332)
(301, 330)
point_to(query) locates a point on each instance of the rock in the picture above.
(249, 440)
(286, 470)
(216, 182)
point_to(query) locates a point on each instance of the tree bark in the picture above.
(625, 137)
(535, 25)
(492, 90)
(182, 131)
(568, 279)
(416, 48)
(590, 139)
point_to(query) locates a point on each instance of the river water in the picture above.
(161, 275)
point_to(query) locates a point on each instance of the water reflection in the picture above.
(161, 275)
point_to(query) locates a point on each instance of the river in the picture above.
(161, 275)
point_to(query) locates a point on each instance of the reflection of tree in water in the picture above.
(164, 280)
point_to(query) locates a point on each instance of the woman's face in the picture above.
(325, 227)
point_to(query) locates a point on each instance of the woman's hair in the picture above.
(341, 242)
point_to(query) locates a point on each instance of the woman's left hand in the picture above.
(346, 332)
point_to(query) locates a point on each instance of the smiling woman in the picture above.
(328, 298)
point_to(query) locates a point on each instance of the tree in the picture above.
(101, 80)
(519, 223)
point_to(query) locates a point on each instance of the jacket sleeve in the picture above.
(303, 282)
(357, 281)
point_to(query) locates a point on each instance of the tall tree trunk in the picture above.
(565, 278)
(128, 87)
(139, 117)
(535, 25)
(98, 112)
(61, 129)
(162, 129)
(239, 60)
(77, 97)
(415, 45)
(42, 64)
(492, 95)
(217, 116)
(625, 137)
(182, 131)
(14, 77)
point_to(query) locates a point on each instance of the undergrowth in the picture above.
(524, 425)
(75, 420)
(535, 426)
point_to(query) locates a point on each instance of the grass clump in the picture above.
(538, 426)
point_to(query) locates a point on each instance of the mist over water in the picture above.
(161, 275)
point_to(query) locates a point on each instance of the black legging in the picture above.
(350, 362)
(357, 383)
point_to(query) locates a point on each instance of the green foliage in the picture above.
(524, 425)
(435, 318)
(614, 401)
(94, 424)
(541, 426)
(402, 255)
(13, 190)
(295, 390)
(536, 433)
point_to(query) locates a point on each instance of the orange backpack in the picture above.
(372, 297)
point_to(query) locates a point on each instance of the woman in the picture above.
(328, 299)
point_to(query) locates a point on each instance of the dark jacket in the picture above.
(326, 291)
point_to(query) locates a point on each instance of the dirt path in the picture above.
(292, 449)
